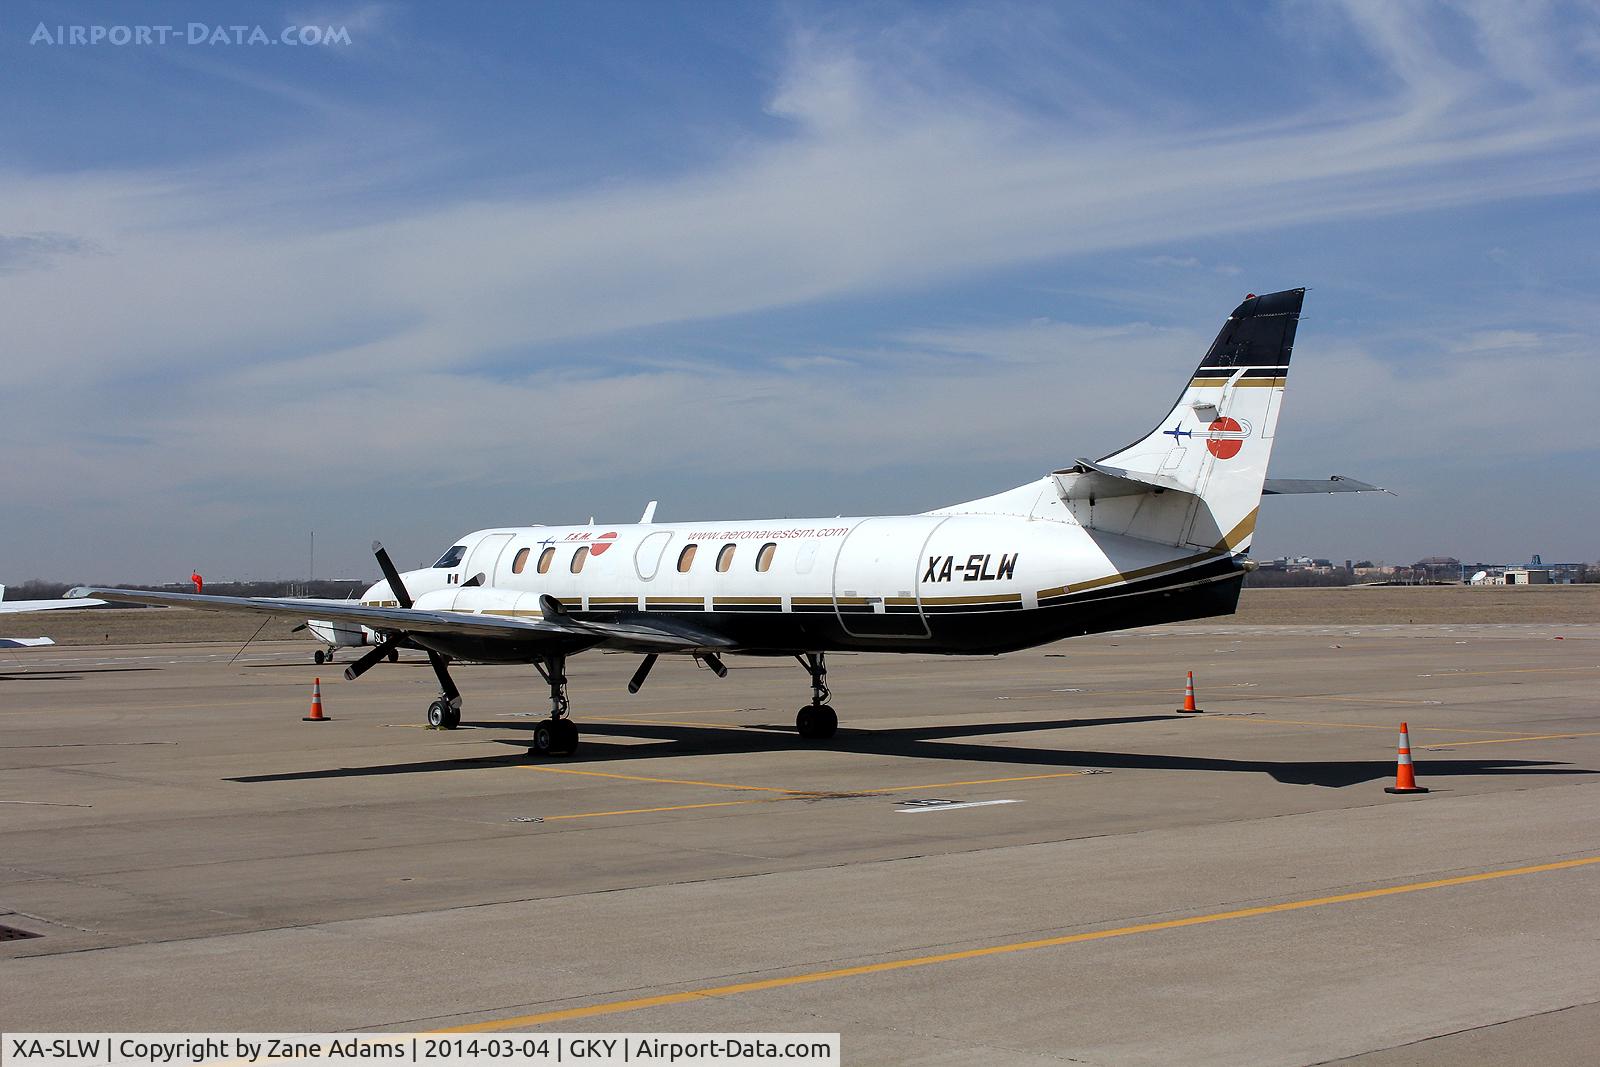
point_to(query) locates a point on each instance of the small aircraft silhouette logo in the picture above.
(1223, 438)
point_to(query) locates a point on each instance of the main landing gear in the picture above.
(557, 735)
(817, 721)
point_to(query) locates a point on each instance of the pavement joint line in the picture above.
(760, 985)
(667, 722)
(666, 781)
(1356, 725)
(1525, 670)
(796, 793)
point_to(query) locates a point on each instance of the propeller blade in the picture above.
(386, 565)
(297, 629)
(369, 661)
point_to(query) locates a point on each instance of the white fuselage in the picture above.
(882, 580)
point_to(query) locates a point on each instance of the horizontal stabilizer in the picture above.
(1088, 480)
(1337, 483)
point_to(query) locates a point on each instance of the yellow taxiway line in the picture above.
(1509, 740)
(615, 1007)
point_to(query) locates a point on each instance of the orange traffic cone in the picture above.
(1405, 776)
(1188, 698)
(316, 704)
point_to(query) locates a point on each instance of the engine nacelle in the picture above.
(482, 599)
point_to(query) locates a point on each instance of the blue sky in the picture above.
(492, 264)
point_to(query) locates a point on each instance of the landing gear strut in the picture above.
(817, 721)
(557, 735)
(444, 713)
(319, 657)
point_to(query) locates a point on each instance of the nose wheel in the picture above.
(817, 721)
(444, 714)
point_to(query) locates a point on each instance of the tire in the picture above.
(319, 657)
(438, 715)
(564, 740)
(394, 655)
(452, 718)
(827, 722)
(816, 722)
(543, 739)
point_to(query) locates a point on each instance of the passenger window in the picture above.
(725, 558)
(764, 557)
(456, 554)
(686, 558)
(521, 561)
(544, 560)
(578, 557)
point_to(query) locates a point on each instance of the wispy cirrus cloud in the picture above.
(242, 300)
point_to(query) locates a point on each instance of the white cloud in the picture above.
(284, 331)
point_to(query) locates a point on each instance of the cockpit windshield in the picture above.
(456, 554)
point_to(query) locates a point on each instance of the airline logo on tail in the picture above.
(1223, 438)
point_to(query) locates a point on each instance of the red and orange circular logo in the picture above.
(601, 543)
(1226, 438)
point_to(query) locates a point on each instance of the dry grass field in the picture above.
(1356, 605)
(1426, 604)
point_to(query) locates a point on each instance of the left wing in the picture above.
(639, 633)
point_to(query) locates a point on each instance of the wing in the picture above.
(632, 634)
(7, 606)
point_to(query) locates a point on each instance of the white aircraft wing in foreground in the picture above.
(18, 606)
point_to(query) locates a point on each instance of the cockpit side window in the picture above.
(456, 554)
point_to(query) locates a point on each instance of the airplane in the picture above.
(12, 606)
(1158, 531)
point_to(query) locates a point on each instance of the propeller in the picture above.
(379, 651)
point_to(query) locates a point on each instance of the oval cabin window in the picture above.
(578, 558)
(686, 558)
(521, 561)
(764, 557)
(725, 558)
(544, 560)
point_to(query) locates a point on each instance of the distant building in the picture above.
(1527, 576)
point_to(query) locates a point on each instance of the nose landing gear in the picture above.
(817, 721)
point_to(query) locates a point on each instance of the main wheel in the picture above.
(319, 657)
(564, 740)
(394, 655)
(544, 738)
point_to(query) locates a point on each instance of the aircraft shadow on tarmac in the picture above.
(928, 742)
